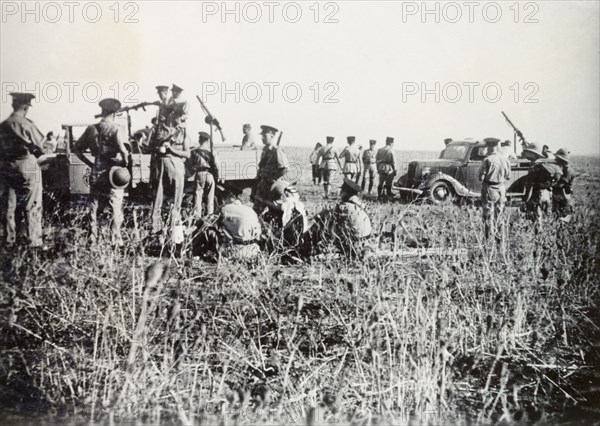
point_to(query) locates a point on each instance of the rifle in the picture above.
(142, 105)
(279, 138)
(516, 131)
(209, 119)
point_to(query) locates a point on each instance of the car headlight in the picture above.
(426, 173)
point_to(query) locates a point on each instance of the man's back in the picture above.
(241, 221)
(18, 136)
(495, 168)
(353, 219)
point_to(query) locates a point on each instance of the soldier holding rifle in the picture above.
(106, 141)
(20, 176)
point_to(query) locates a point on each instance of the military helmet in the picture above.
(350, 187)
(533, 147)
(119, 177)
(562, 154)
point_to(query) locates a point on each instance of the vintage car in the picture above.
(454, 176)
(66, 177)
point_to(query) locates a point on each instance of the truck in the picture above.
(66, 177)
(454, 176)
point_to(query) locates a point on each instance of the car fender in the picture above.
(458, 187)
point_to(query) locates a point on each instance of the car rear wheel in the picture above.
(441, 193)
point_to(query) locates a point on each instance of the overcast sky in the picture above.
(362, 68)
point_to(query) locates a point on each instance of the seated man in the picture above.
(346, 226)
(234, 233)
(286, 213)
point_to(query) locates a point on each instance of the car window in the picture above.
(455, 152)
(478, 153)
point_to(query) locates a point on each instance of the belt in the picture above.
(350, 162)
(487, 182)
(204, 169)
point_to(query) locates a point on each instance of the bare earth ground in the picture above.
(86, 336)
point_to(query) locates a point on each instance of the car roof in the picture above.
(65, 125)
(468, 141)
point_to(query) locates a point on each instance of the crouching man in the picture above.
(345, 228)
(235, 233)
(287, 216)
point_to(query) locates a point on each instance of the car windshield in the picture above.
(455, 152)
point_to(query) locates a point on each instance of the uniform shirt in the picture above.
(164, 110)
(178, 112)
(352, 219)
(273, 163)
(19, 137)
(494, 169)
(386, 160)
(240, 222)
(327, 155)
(105, 140)
(544, 174)
(248, 142)
(350, 154)
(368, 156)
(203, 160)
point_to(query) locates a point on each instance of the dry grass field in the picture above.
(90, 334)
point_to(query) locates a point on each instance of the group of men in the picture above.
(278, 216)
(275, 200)
(548, 185)
(326, 161)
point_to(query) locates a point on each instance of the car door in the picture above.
(471, 175)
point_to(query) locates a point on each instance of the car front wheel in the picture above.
(441, 193)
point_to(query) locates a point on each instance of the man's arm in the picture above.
(121, 141)
(30, 134)
(185, 153)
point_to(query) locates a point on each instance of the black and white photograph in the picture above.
(300, 212)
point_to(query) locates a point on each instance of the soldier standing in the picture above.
(561, 193)
(351, 156)
(169, 146)
(369, 165)
(541, 177)
(164, 110)
(328, 160)
(386, 167)
(314, 162)
(273, 165)
(248, 141)
(493, 172)
(20, 176)
(178, 109)
(206, 166)
(106, 141)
